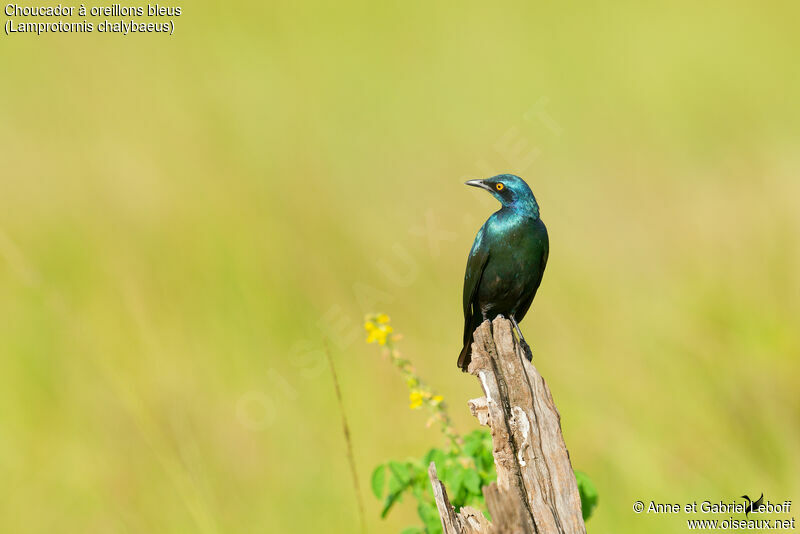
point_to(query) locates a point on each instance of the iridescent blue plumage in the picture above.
(507, 260)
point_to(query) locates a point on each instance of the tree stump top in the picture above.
(536, 491)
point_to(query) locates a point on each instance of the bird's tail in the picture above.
(466, 355)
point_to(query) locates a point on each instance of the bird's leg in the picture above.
(525, 347)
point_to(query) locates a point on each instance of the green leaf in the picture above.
(487, 463)
(430, 517)
(588, 492)
(396, 481)
(400, 480)
(390, 501)
(436, 456)
(478, 446)
(379, 480)
(472, 444)
(454, 479)
(472, 481)
(400, 471)
(413, 530)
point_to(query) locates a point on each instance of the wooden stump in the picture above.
(535, 491)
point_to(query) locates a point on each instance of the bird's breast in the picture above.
(516, 250)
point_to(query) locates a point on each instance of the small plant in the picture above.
(588, 493)
(465, 464)
(464, 472)
(419, 393)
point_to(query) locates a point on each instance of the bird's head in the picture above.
(511, 191)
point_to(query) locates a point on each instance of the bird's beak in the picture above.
(478, 183)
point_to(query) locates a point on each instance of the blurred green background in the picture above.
(184, 219)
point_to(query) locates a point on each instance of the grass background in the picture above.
(183, 220)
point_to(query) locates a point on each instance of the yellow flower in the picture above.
(378, 333)
(437, 399)
(372, 337)
(382, 318)
(415, 400)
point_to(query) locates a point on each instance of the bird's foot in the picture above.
(526, 349)
(522, 343)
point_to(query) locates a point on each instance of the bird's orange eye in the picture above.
(499, 187)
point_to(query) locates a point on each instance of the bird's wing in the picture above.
(759, 502)
(526, 304)
(476, 264)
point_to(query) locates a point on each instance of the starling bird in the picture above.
(507, 260)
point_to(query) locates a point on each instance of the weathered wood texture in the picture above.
(535, 491)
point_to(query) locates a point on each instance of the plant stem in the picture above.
(346, 430)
